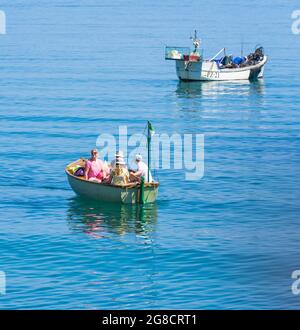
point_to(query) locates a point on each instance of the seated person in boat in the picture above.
(142, 170)
(95, 170)
(119, 174)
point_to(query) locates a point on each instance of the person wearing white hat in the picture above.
(142, 170)
(119, 157)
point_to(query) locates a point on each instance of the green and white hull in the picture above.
(125, 194)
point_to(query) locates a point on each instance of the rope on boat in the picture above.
(187, 64)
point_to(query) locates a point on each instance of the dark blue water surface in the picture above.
(71, 70)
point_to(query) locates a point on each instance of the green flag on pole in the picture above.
(150, 129)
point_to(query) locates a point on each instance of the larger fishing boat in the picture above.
(130, 193)
(190, 65)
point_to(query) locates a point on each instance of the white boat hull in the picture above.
(209, 71)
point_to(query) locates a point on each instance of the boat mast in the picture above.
(196, 42)
(149, 148)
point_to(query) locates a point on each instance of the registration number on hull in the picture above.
(212, 74)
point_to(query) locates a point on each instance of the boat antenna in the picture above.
(196, 41)
(242, 47)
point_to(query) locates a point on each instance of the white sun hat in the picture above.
(119, 154)
(138, 157)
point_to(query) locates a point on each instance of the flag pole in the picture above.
(149, 150)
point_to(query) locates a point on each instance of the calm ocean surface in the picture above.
(71, 70)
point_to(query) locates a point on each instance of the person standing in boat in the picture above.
(142, 170)
(94, 168)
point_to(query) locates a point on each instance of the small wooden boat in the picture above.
(125, 194)
(131, 193)
(190, 66)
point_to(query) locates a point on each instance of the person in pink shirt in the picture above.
(94, 168)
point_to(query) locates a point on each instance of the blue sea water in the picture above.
(71, 70)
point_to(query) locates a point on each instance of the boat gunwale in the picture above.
(250, 67)
(104, 184)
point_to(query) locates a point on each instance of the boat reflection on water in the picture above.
(100, 220)
(197, 89)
